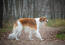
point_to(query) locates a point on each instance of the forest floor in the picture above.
(47, 33)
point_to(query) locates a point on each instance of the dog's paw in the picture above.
(17, 39)
(31, 39)
(42, 39)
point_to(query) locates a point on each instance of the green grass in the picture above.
(56, 23)
(6, 27)
(5, 30)
(61, 34)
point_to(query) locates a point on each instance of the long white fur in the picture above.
(18, 30)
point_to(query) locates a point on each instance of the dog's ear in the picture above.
(44, 18)
(41, 19)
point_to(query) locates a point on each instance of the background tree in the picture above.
(14, 9)
(1, 13)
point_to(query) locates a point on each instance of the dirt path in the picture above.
(48, 33)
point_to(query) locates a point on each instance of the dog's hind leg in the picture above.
(19, 30)
(30, 35)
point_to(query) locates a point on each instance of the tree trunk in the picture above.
(1, 13)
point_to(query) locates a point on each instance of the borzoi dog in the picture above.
(30, 25)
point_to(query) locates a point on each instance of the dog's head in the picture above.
(43, 19)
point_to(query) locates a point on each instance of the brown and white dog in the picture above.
(30, 25)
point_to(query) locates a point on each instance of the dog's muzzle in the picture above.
(47, 21)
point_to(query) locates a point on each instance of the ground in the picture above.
(47, 33)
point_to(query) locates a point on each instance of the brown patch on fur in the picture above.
(28, 22)
(43, 19)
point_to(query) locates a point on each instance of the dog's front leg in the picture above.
(37, 33)
(38, 36)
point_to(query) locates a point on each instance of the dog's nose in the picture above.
(47, 21)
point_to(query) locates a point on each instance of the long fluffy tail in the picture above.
(14, 27)
(13, 34)
(17, 29)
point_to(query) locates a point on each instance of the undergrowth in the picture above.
(61, 34)
(56, 23)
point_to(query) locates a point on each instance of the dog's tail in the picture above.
(13, 34)
(17, 28)
(14, 27)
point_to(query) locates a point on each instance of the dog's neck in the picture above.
(37, 20)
